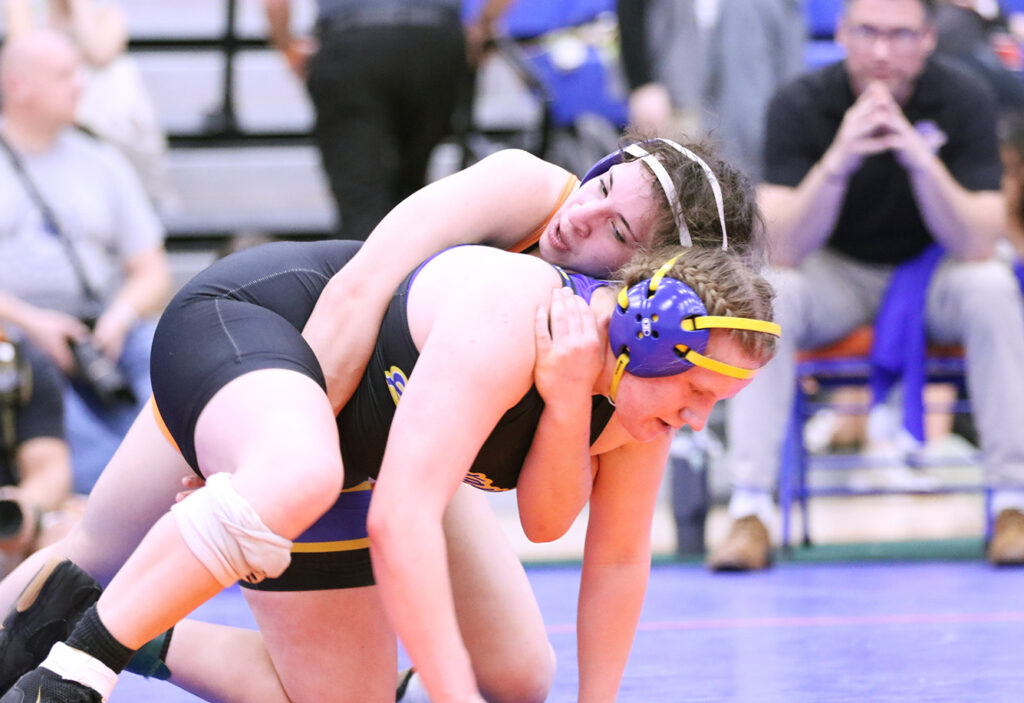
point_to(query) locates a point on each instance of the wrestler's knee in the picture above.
(316, 485)
(527, 680)
(292, 489)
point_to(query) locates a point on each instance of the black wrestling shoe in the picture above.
(45, 613)
(44, 686)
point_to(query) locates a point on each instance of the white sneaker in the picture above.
(898, 477)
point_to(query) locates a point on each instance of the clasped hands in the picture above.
(874, 124)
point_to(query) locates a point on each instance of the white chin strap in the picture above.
(661, 174)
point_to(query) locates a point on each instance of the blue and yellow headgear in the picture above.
(660, 327)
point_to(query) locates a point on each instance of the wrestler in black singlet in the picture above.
(246, 312)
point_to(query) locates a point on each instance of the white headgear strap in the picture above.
(670, 191)
(666, 185)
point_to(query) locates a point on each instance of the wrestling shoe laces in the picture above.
(45, 613)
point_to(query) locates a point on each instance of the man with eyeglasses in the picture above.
(882, 174)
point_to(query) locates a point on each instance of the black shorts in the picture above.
(246, 313)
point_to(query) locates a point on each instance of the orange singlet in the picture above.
(570, 185)
(160, 423)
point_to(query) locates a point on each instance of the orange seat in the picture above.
(858, 343)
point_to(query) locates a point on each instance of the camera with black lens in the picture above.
(15, 392)
(15, 375)
(100, 373)
(12, 518)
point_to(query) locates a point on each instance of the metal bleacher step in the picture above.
(187, 86)
(222, 190)
(191, 18)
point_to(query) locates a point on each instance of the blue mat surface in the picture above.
(922, 631)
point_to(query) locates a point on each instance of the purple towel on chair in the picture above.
(898, 350)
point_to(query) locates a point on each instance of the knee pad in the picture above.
(224, 532)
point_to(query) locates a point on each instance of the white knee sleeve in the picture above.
(228, 537)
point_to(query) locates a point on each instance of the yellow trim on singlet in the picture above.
(570, 185)
(163, 427)
(366, 485)
(345, 545)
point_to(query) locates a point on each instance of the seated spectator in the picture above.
(883, 170)
(1012, 150)
(36, 506)
(81, 249)
(982, 41)
(115, 105)
(754, 47)
(661, 60)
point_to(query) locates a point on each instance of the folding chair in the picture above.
(558, 53)
(821, 16)
(846, 364)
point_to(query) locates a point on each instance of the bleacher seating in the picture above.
(821, 52)
(526, 19)
(240, 159)
(821, 16)
(239, 121)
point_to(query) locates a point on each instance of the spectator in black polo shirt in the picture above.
(869, 163)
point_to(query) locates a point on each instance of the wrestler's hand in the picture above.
(865, 130)
(191, 484)
(569, 353)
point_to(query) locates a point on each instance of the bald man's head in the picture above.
(39, 77)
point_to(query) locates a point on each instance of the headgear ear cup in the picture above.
(660, 327)
(650, 327)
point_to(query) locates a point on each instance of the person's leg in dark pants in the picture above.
(428, 99)
(352, 130)
(384, 97)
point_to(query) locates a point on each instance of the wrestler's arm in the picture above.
(557, 474)
(616, 563)
(466, 378)
(498, 201)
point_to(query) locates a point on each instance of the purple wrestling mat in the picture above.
(923, 631)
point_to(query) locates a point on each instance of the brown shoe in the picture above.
(746, 548)
(1007, 545)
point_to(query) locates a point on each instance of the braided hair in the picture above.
(725, 282)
